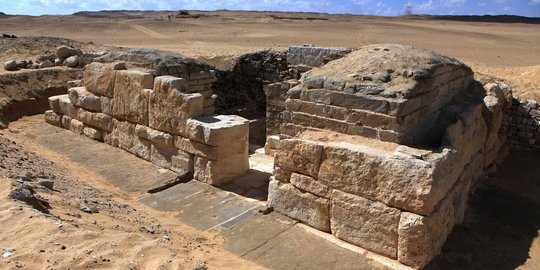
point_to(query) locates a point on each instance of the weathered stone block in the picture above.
(98, 120)
(170, 108)
(371, 225)
(66, 108)
(99, 78)
(299, 156)
(53, 118)
(132, 91)
(311, 185)
(66, 121)
(84, 99)
(105, 105)
(386, 177)
(157, 137)
(124, 137)
(162, 155)
(93, 133)
(219, 130)
(305, 207)
(183, 162)
(218, 172)
(54, 103)
(76, 126)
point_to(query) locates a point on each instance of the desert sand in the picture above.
(510, 51)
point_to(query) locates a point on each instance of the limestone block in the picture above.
(308, 184)
(328, 111)
(350, 101)
(169, 108)
(66, 108)
(84, 99)
(218, 130)
(54, 103)
(97, 120)
(66, 121)
(99, 78)
(218, 172)
(468, 135)
(76, 126)
(124, 137)
(305, 207)
(157, 137)
(421, 237)
(93, 133)
(162, 155)
(384, 177)
(132, 91)
(197, 148)
(309, 120)
(271, 145)
(53, 118)
(299, 156)
(281, 174)
(183, 162)
(371, 225)
(106, 105)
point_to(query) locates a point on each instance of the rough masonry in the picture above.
(382, 147)
(164, 119)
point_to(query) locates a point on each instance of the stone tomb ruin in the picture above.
(161, 119)
(380, 146)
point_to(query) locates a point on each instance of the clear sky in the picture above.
(530, 8)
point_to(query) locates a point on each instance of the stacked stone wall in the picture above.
(345, 164)
(521, 125)
(159, 119)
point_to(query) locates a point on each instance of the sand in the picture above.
(510, 51)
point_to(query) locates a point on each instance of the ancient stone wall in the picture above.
(26, 92)
(521, 125)
(161, 119)
(300, 59)
(378, 192)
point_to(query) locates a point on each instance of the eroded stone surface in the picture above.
(99, 79)
(305, 207)
(365, 223)
(132, 91)
(170, 108)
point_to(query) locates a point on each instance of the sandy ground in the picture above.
(510, 51)
(123, 234)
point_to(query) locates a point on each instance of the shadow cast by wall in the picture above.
(502, 220)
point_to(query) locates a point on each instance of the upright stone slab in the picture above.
(132, 91)
(305, 207)
(170, 107)
(99, 78)
(124, 137)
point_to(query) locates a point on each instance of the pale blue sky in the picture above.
(529, 8)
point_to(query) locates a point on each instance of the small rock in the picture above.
(66, 51)
(59, 61)
(200, 266)
(72, 61)
(8, 254)
(149, 229)
(46, 64)
(85, 209)
(48, 183)
(22, 64)
(119, 66)
(10, 65)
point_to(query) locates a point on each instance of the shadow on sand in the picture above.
(502, 221)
